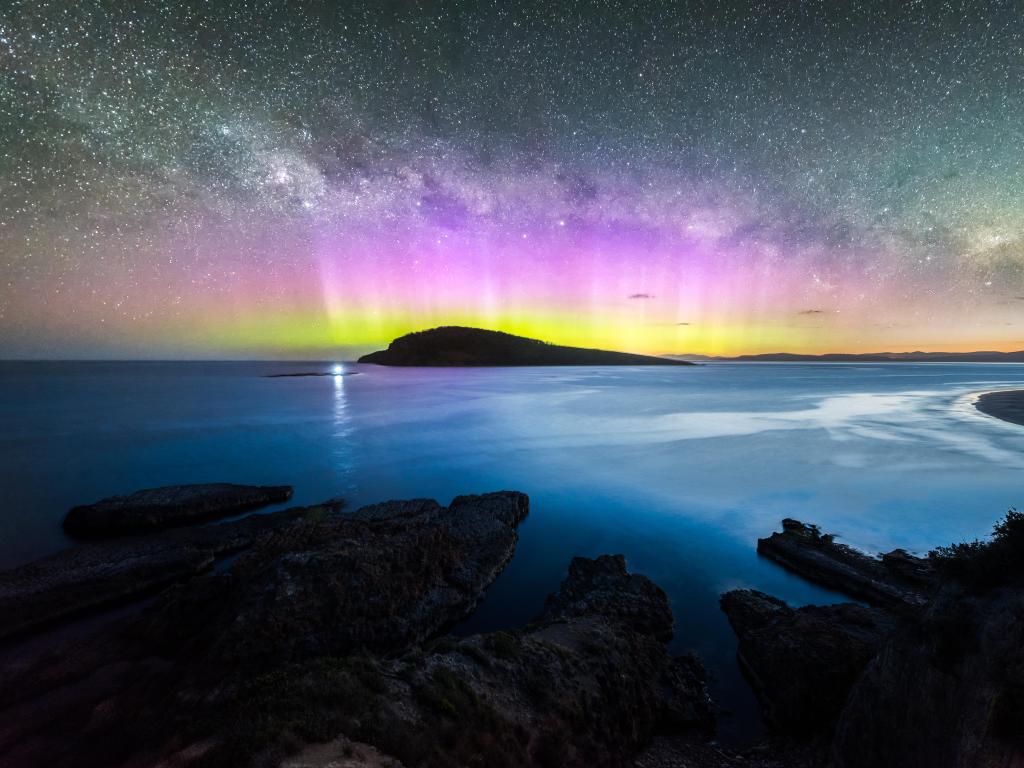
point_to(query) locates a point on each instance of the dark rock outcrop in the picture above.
(153, 509)
(946, 693)
(314, 587)
(380, 579)
(935, 679)
(319, 646)
(604, 587)
(96, 575)
(803, 662)
(458, 346)
(898, 581)
(585, 685)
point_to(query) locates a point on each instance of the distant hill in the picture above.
(459, 346)
(869, 357)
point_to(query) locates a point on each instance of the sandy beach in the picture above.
(1008, 406)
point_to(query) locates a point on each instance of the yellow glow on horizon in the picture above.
(360, 329)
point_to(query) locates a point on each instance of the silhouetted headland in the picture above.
(1008, 406)
(460, 346)
(868, 357)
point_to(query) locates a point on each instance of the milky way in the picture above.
(247, 180)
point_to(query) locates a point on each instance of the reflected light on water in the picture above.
(341, 416)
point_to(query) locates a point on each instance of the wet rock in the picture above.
(153, 509)
(803, 662)
(96, 575)
(899, 582)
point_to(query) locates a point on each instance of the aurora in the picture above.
(277, 183)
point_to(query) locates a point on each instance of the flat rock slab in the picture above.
(898, 581)
(153, 509)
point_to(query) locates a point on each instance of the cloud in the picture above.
(682, 323)
(811, 312)
(641, 296)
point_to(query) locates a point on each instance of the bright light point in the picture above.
(337, 370)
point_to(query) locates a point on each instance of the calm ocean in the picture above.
(680, 469)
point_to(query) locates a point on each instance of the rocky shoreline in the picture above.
(930, 674)
(317, 637)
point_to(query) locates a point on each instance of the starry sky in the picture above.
(264, 180)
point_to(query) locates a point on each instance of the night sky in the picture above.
(298, 180)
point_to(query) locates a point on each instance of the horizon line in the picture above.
(355, 361)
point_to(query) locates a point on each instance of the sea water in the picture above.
(679, 469)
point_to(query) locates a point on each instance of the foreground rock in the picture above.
(173, 505)
(314, 586)
(946, 693)
(458, 346)
(933, 680)
(803, 662)
(588, 684)
(378, 580)
(898, 580)
(97, 575)
(319, 646)
(603, 586)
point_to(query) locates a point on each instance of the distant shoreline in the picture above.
(1007, 405)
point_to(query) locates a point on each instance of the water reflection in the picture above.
(342, 428)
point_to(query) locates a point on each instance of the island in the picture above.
(457, 346)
